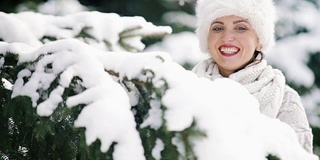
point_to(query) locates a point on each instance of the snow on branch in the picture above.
(223, 111)
(106, 31)
(106, 115)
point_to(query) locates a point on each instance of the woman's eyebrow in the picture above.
(235, 22)
(219, 22)
(241, 20)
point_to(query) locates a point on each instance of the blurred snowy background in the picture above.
(297, 52)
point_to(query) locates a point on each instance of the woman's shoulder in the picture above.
(291, 97)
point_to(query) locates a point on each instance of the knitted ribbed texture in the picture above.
(277, 100)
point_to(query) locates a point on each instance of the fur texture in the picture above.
(261, 14)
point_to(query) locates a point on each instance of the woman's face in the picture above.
(232, 42)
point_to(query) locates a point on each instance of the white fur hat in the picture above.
(261, 14)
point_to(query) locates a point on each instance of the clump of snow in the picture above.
(30, 28)
(155, 116)
(156, 152)
(292, 60)
(61, 7)
(15, 47)
(6, 84)
(180, 19)
(183, 47)
(106, 101)
(13, 30)
(234, 124)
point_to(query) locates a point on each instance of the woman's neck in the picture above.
(224, 72)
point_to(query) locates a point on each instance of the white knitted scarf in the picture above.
(261, 80)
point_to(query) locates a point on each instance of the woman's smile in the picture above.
(228, 50)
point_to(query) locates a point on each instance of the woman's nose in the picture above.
(228, 36)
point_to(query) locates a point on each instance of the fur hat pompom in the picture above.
(261, 14)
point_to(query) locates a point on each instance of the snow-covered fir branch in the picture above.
(231, 129)
(106, 31)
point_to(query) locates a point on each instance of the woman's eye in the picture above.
(217, 29)
(241, 28)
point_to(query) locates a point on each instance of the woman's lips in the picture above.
(228, 50)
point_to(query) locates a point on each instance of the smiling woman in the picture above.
(232, 42)
(237, 34)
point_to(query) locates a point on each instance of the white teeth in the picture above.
(228, 50)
